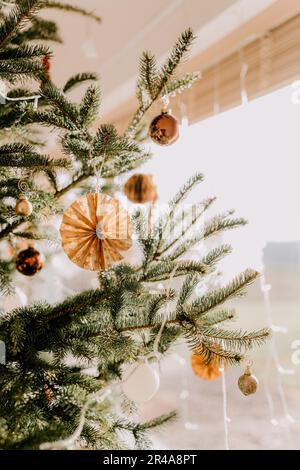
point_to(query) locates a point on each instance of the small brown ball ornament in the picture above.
(248, 383)
(140, 189)
(29, 262)
(23, 206)
(164, 129)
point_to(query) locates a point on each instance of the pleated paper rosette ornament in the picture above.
(95, 230)
(204, 370)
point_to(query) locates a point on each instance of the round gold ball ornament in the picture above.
(164, 129)
(29, 261)
(140, 188)
(95, 230)
(24, 206)
(203, 370)
(248, 383)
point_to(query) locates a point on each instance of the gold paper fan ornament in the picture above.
(95, 230)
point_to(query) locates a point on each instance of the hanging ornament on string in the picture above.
(140, 381)
(95, 230)
(164, 129)
(205, 370)
(29, 262)
(248, 383)
(140, 188)
(24, 206)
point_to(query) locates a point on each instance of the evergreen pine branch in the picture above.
(187, 289)
(177, 54)
(6, 286)
(149, 74)
(159, 421)
(214, 353)
(162, 270)
(236, 340)
(158, 302)
(121, 165)
(108, 142)
(79, 79)
(67, 110)
(185, 190)
(213, 227)
(181, 84)
(50, 119)
(18, 155)
(214, 318)
(179, 225)
(39, 30)
(75, 145)
(90, 106)
(212, 342)
(67, 7)
(18, 69)
(17, 18)
(26, 52)
(152, 244)
(218, 296)
(155, 82)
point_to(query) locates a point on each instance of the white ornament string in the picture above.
(270, 401)
(244, 66)
(224, 395)
(163, 324)
(225, 416)
(165, 103)
(216, 105)
(243, 77)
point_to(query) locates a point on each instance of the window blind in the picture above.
(266, 63)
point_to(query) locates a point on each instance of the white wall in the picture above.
(251, 160)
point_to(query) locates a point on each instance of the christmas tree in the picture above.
(46, 400)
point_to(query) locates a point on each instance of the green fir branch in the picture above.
(78, 80)
(17, 17)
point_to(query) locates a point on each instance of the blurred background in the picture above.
(240, 127)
